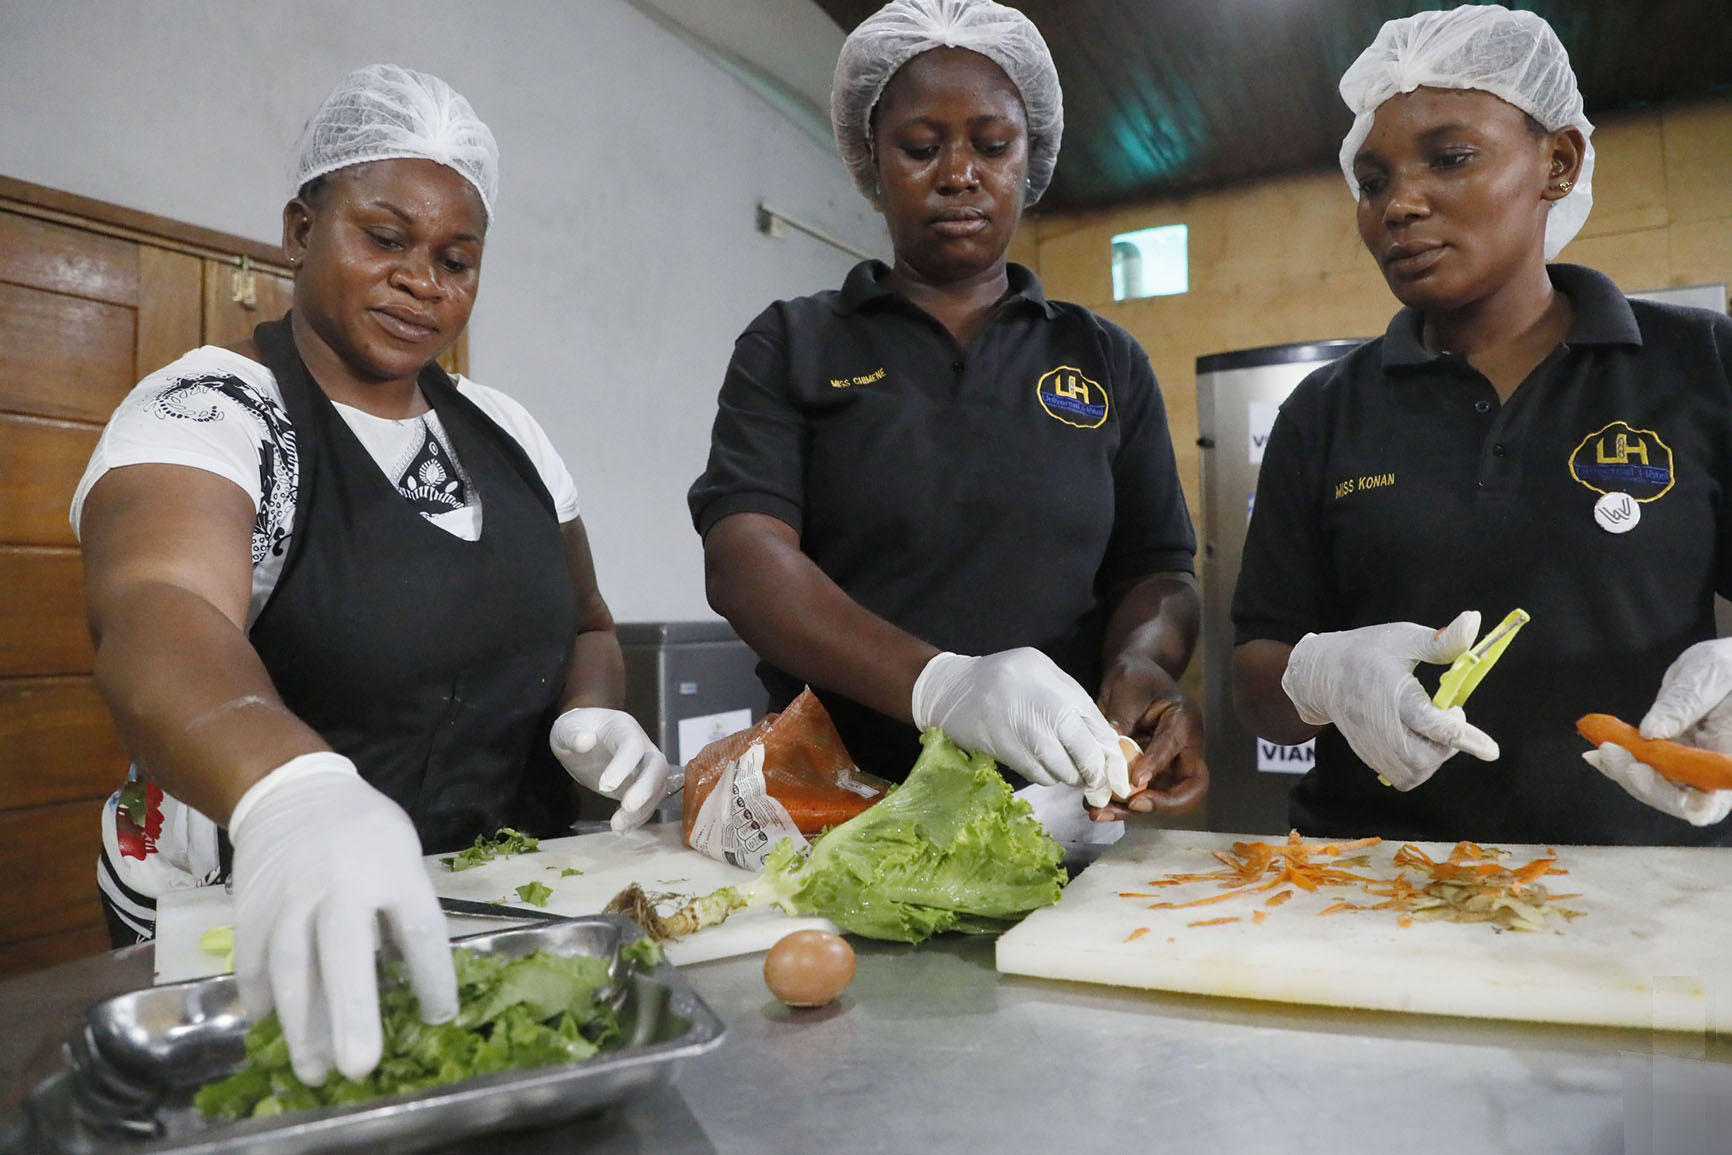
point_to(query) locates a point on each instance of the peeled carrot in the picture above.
(1688, 765)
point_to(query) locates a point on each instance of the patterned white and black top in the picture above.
(219, 411)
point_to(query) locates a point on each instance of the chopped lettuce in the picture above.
(502, 845)
(534, 893)
(952, 848)
(514, 1013)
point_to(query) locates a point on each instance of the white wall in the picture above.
(624, 258)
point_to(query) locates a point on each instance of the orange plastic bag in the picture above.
(788, 776)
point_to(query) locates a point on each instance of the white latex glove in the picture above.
(1692, 707)
(608, 752)
(1022, 709)
(1362, 681)
(319, 855)
(1645, 784)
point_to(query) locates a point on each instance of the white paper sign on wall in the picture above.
(700, 731)
(1273, 758)
(1262, 419)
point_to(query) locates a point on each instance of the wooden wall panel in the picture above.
(58, 259)
(57, 743)
(63, 356)
(227, 321)
(42, 621)
(41, 461)
(48, 854)
(170, 308)
(35, 954)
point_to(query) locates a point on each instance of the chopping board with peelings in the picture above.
(652, 856)
(1651, 947)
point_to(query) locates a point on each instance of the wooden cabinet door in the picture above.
(79, 310)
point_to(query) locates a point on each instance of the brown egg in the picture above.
(1132, 751)
(809, 968)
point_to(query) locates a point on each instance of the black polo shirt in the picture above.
(1395, 487)
(980, 499)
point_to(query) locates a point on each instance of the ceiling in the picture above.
(1164, 96)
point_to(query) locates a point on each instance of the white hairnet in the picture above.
(1515, 56)
(383, 112)
(902, 30)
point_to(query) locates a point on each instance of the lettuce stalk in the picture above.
(952, 848)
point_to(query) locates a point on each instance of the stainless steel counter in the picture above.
(931, 1049)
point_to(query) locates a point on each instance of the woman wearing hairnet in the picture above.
(1521, 436)
(935, 496)
(338, 597)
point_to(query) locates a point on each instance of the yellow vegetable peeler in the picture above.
(1465, 672)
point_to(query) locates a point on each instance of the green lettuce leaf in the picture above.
(515, 1013)
(952, 848)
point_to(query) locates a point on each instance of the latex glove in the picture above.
(1692, 707)
(319, 855)
(1645, 784)
(1362, 681)
(1022, 709)
(608, 752)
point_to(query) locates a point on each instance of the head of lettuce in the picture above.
(952, 848)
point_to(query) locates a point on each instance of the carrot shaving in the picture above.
(1472, 883)
(1136, 934)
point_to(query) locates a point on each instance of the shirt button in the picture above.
(1497, 451)
(956, 366)
(1482, 406)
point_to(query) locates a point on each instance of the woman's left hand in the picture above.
(1141, 700)
(607, 751)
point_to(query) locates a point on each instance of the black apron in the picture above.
(435, 663)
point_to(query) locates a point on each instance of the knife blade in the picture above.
(474, 909)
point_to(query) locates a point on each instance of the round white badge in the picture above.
(1617, 512)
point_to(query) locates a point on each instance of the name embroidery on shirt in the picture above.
(1072, 398)
(1619, 458)
(1363, 483)
(859, 379)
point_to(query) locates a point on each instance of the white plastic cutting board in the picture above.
(1653, 948)
(654, 857)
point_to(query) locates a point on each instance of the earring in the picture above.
(1565, 186)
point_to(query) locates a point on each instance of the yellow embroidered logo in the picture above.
(1362, 483)
(862, 379)
(1068, 396)
(1620, 458)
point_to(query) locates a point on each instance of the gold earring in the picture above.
(1565, 186)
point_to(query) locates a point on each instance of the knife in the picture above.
(473, 909)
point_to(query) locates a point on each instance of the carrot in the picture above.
(1686, 765)
(1213, 922)
(1136, 934)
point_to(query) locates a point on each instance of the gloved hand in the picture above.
(1692, 707)
(1362, 681)
(608, 752)
(1645, 784)
(318, 855)
(1022, 709)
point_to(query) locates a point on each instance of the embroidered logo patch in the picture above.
(1620, 458)
(1068, 396)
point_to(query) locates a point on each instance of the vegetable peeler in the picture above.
(1465, 672)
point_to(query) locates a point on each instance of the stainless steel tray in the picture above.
(136, 1060)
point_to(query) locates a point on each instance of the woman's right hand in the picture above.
(319, 855)
(1021, 708)
(1362, 681)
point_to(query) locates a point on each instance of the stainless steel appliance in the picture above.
(687, 683)
(1237, 396)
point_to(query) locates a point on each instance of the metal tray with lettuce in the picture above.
(557, 1020)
